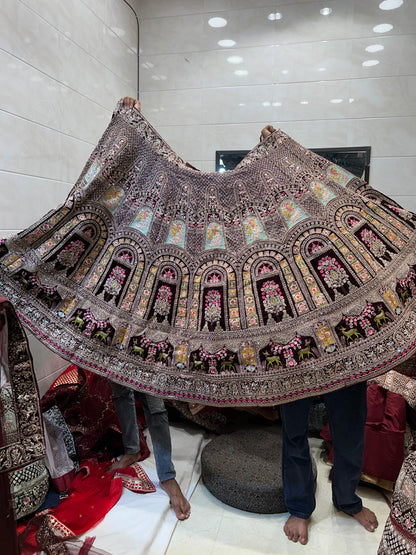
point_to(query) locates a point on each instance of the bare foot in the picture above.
(367, 519)
(178, 501)
(126, 460)
(296, 529)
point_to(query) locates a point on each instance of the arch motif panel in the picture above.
(387, 231)
(117, 274)
(400, 218)
(163, 300)
(375, 240)
(271, 291)
(214, 224)
(50, 222)
(71, 245)
(214, 283)
(103, 160)
(328, 265)
(165, 291)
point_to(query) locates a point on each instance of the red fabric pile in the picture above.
(384, 434)
(92, 493)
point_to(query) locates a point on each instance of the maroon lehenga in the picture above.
(283, 278)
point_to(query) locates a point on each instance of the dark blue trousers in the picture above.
(347, 412)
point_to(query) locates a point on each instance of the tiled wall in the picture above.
(303, 72)
(64, 64)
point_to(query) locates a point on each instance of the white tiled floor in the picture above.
(217, 529)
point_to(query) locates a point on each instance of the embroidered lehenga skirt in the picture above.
(283, 278)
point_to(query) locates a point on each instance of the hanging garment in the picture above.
(22, 443)
(384, 437)
(21, 432)
(399, 534)
(283, 278)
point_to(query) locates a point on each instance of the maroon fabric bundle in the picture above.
(384, 434)
(86, 402)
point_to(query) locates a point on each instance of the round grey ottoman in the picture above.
(244, 469)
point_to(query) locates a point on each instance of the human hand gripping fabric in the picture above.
(266, 131)
(129, 102)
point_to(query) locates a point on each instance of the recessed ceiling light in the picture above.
(285, 71)
(276, 104)
(304, 101)
(390, 4)
(266, 103)
(374, 48)
(217, 22)
(336, 100)
(351, 100)
(241, 103)
(383, 28)
(274, 16)
(321, 68)
(325, 11)
(234, 59)
(240, 72)
(369, 63)
(226, 43)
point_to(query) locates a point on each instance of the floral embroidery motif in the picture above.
(115, 280)
(112, 198)
(163, 301)
(322, 193)
(214, 236)
(177, 233)
(143, 220)
(375, 244)
(273, 300)
(212, 308)
(340, 176)
(70, 255)
(292, 213)
(332, 272)
(253, 229)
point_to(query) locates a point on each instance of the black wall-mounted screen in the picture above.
(356, 160)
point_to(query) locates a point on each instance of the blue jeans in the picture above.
(157, 422)
(347, 413)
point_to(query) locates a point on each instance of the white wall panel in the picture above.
(64, 67)
(303, 73)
